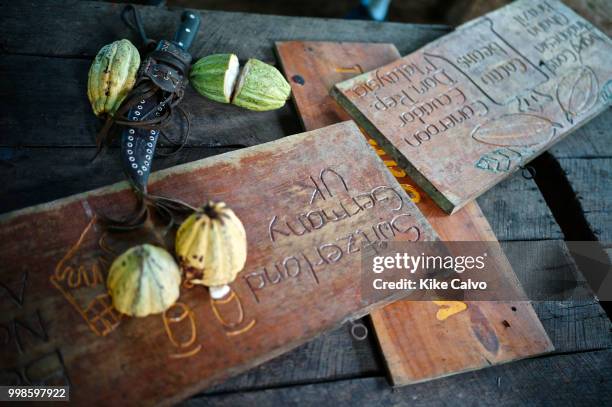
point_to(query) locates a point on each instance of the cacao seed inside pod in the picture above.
(214, 76)
(261, 87)
(144, 280)
(111, 76)
(211, 246)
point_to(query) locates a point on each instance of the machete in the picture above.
(148, 108)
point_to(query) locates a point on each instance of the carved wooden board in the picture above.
(420, 340)
(307, 210)
(465, 111)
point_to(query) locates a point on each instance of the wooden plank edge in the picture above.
(445, 204)
(155, 176)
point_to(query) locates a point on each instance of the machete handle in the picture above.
(190, 24)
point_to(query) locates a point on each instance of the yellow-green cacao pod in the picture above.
(144, 280)
(261, 87)
(211, 245)
(214, 76)
(111, 76)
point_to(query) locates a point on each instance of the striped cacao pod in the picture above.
(214, 76)
(211, 246)
(144, 280)
(111, 76)
(261, 87)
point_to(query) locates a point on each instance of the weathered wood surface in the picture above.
(247, 35)
(30, 176)
(38, 110)
(584, 168)
(591, 180)
(465, 111)
(596, 11)
(515, 203)
(573, 326)
(43, 75)
(313, 67)
(417, 342)
(573, 379)
(334, 357)
(331, 356)
(591, 141)
(298, 281)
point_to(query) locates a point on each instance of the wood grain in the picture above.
(248, 35)
(417, 346)
(63, 115)
(330, 356)
(581, 379)
(466, 111)
(298, 282)
(572, 326)
(592, 140)
(516, 210)
(30, 176)
(592, 182)
(32, 173)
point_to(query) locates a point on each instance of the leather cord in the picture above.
(145, 88)
(136, 24)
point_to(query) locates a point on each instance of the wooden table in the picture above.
(46, 142)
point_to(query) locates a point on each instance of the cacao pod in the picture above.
(111, 76)
(144, 280)
(261, 87)
(211, 245)
(214, 76)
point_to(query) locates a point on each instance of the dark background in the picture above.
(449, 12)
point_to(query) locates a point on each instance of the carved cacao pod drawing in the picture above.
(111, 76)
(515, 130)
(577, 92)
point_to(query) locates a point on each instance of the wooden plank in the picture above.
(45, 104)
(592, 181)
(334, 355)
(30, 176)
(596, 11)
(592, 140)
(416, 344)
(516, 210)
(573, 379)
(313, 67)
(573, 326)
(578, 324)
(245, 34)
(464, 112)
(55, 256)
